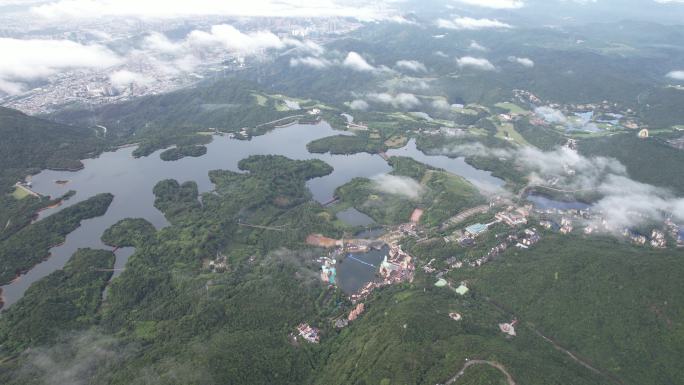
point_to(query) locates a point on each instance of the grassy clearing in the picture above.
(511, 107)
(396, 141)
(20, 193)
(402, 116)
(282, 107)
(477, 131)
(507, 131)
(260, 99)
(464, 111)
(283, 98)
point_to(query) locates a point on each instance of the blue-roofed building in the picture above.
(476, 229)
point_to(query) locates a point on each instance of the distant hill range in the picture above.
(30, 143)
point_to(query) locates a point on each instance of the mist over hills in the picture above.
(342, 192)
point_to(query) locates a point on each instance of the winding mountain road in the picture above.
(493, 364)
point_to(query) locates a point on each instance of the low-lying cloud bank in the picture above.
(523, 61)
(411, 65)
(357, 63)
(75, 360)
(624, 202)
(398, 185)
(401, 100)
(676, 75)
(124, 78)
(353, 61)
(359, 105)
(469, 23)
(33, 59)
(495, 4)
(475, 63)
(168, 9)
(554, 116)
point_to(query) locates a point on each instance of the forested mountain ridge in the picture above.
(30, 143)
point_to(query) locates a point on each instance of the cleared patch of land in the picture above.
(20, 193)
(260, 99)
(507, 131)
(396, 141)
(511, 107)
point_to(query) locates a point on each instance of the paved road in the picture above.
(493, 364)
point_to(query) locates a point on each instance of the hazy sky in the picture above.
(59, 9)
(27, 59)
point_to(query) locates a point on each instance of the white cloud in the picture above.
(523, 61)
(124, 78)
(31, 60)
(413, 84)
(402, 100)
(627, 203)
(406, 100)
(11, 88)
(165, 9)
(495, 4)
(158, 42)
(359, 105)
(400, 20)
(398, 185)
(306, 46)
(551, 115)
(469, 23)
(383, 98)
(232, 39)
(572, 123)
(357, 62)
(676, 75)
(5, 3)
(476, 63)
(73, 358)
(421, 115)
(411, 65)
(27, 60)
(186, 54)
(353, 61)
(475, 46)
(441, 104)
(310, 61)
(623, 202)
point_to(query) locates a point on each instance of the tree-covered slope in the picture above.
(65, 300)
(615, 305)
(30, 245)
(30, 143)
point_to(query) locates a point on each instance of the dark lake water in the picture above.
(482, 179)
(371, 233)
(544, 203)
(354, 217)
(132, 180)
(352, 274)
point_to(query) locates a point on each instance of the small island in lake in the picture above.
(180, 152)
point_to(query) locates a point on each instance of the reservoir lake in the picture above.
(131, 181)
